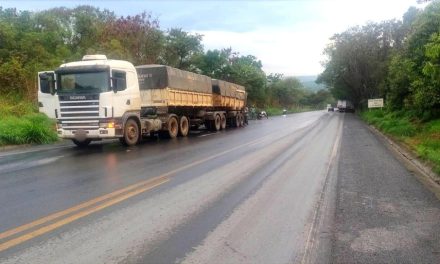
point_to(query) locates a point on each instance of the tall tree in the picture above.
(214, 63)
(180, 48)
(134, 38)
(358, 60)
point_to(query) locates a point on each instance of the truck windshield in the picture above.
(84, 82)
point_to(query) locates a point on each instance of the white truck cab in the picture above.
(90, 98)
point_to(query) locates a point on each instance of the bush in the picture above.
(27, 129)
(429, 147)
(394, 123)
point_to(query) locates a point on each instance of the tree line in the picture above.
(398, 60)
(37, 41)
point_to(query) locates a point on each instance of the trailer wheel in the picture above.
(237, 121)
(223, 122)
(83, 143)
(173, 127)
(183, 126)
(217, 122)
(241, 118)
(131, 133)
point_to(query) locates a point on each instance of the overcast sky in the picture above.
(287, 36)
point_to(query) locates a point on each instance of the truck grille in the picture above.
(79, 112)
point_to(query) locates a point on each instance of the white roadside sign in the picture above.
(375, 103)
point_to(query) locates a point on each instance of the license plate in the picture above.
(80, 134)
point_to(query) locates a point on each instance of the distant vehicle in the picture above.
(97, 98)
(345, 106)
(262, 114)
(329, 108)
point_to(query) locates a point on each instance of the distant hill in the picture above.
(309, 82)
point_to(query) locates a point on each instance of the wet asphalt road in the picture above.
(266, 193)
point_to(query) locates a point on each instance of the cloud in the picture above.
(295, 46)
(287, 51)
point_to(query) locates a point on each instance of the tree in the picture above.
(180, 47)
(358, 60)
(413, 79)
(214, 63)
(286, 92)
(247, 71)
(133, 38)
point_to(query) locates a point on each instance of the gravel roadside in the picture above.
(383, 213)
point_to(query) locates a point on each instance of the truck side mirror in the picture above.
(47, 83)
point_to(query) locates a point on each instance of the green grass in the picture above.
(274, 111)
(390, 122)
(16, 106)
(429, 146)
(20, 123)
(421, 137)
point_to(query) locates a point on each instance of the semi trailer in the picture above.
(345, 106)
(99, 98)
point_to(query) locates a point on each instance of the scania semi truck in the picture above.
(99, 98)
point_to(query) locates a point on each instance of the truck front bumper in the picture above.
(100, 133)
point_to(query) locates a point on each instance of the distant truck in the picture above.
(97, 98)
(345, 106)
(330, 108)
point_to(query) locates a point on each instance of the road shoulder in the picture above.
(383, 214)
(422, 171)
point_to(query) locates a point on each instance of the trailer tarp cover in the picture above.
(161, 76)
(228, 89)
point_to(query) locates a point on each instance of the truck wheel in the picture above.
(237, 121)
(217, 122)
(241, 119)
(183, 126)
(173, 127)
(83, 143)
(223, 122)
(131, 133)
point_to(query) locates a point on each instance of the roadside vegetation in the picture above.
(421, 137)
(398, 60)
(20, 123)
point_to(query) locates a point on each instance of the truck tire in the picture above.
(217, 123)
(223, 122)
(241, 120)
(237, 121)
(131, 133)
(173, 127)
(82, 144)
(183, 126)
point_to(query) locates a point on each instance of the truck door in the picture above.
(47, 101)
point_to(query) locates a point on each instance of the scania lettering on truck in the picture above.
(98, 98)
